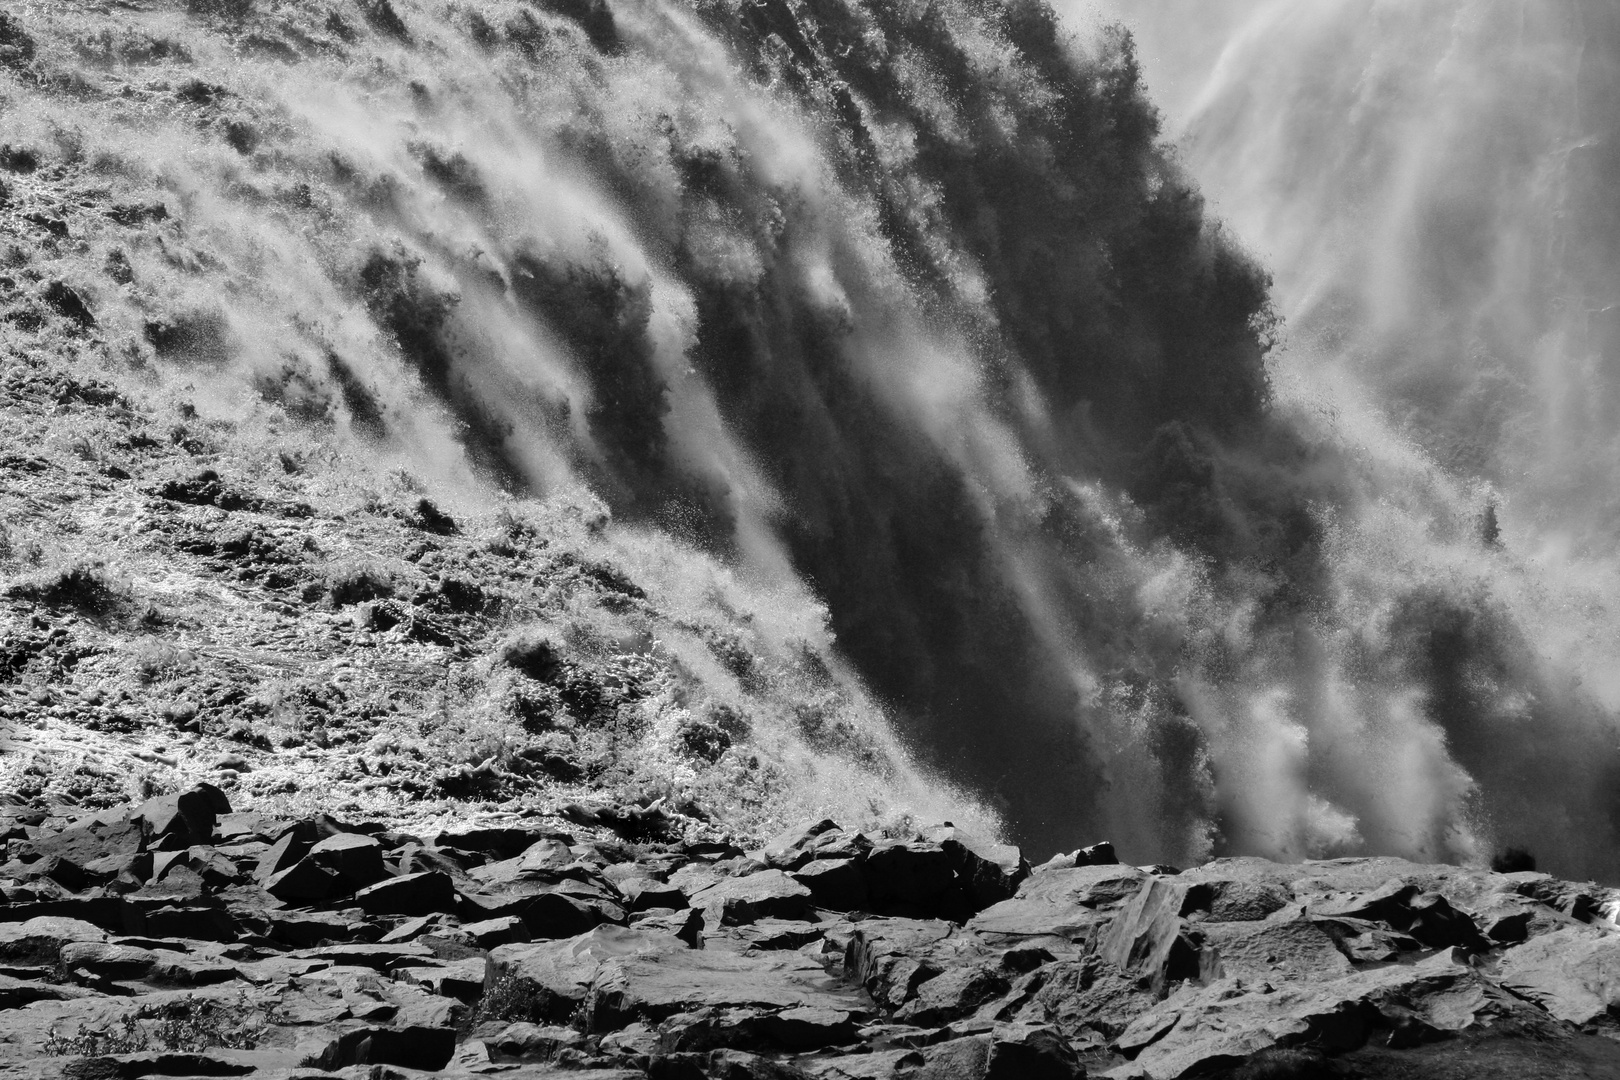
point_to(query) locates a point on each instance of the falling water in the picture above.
(1431, 184)
(910, 306)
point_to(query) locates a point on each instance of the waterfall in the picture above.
(1275, 526)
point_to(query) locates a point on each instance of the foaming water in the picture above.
(1430, 184)
(907, 315)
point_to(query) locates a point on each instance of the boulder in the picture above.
(412, 1047)
(354, 859)
(652, 986)
(1272, 951)
(410, 894)
(952, 995)
(305, 882)
(105, 960)
(1148, 935)
(741, 900)
(1065, 903)
(835, 884)
(986, 873)
(791, 848)
(646, 893)
(558, 975)
(41, 940)
(499, 841)
(1574, 974)
(1226, 1022)
(508, 930)
(911, 879)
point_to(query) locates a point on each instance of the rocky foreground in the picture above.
(180, 938)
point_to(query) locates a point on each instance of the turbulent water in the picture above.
(918, 305)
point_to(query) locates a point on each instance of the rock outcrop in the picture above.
(180, 937)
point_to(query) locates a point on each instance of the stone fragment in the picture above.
(1226, 1022)
(499, 841)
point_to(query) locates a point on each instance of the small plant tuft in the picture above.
(188, 1025)
(84, 587)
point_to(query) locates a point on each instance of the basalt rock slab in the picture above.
(409, 894)
(655, 985)
(1298, 949)
(559, 975)
(1065, 903)
(1223, 1024)
(740, 900)
(1574, 973)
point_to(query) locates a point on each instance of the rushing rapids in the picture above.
(910, 306)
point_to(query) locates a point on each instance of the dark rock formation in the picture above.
(190, 938)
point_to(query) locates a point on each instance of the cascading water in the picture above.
(907, 303)
(1431, 184)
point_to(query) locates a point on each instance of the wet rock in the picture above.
(85, 844)
(890, 958)
(792, 848)
(306, 881)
